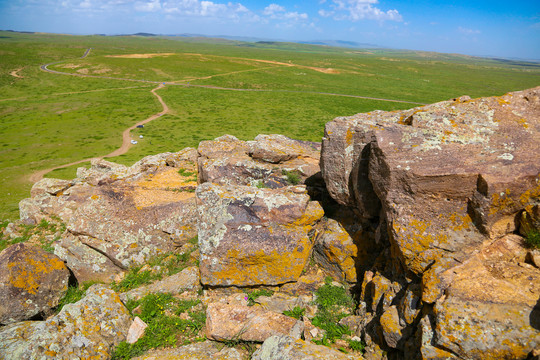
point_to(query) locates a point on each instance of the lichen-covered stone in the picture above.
(88, 329)
(336, 252)
(423, 165)
(288, 348)
(118, 216)
(250, 236)
(391, 327)
(32, 282)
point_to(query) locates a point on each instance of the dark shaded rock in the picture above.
(32, 282)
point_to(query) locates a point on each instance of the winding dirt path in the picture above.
(126, 137)
(126, 141)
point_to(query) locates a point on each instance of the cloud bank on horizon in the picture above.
(487, 27)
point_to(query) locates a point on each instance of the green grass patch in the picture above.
(532, 239)
(252, 296)
(334, 303)
(165, 328)
(296, 312)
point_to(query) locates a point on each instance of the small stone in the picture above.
(136, 330)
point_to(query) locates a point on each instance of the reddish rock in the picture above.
(32, 282)
(248, 323)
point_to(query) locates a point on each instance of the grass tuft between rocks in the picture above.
(171, 322)
(334, 303)
(533, 239)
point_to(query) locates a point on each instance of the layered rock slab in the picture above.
(118, 216)
(250, 236)
(90, 328)
(32, 282)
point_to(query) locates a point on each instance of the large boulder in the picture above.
(90, 328)
(448, 184)
(32, 282)
(250, 236)
(118, 216)
(265, 161)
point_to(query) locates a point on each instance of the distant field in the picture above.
(238, 88)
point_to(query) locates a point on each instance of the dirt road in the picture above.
(126, 141)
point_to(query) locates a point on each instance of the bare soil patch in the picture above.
(140, 56)
(15, 73)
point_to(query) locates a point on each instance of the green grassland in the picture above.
(213, 87)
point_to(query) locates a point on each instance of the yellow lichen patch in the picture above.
(28, 278)
(261, 267)
(500, 202)
(94, 197)
(523, 123)
(157, 190)
(349, 136)
(313, 212)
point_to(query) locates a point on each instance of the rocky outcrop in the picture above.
(447, 184)
(87, 329)
(250, 236)
(118, 216)
(32, 282)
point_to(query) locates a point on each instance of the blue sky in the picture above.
(484, 28)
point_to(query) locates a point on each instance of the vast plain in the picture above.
(211, 87)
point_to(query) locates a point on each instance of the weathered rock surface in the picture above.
(250, 236)
(118, 216)
(448, 184)
(203, 350)
(288, 348)
(248, 323)
(336, 252)
(32, 282)
(87, 329)
(227, 160)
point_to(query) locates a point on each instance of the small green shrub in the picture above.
(333, 304)
(533, 239)
(134, 279)
(185, 172)
(356, 345)
(293, 176)
(259, 184)
(296, 312)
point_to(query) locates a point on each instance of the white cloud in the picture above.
(356, 10)
(151, 6)
(272, 9)
(278, 12)
(468, 31)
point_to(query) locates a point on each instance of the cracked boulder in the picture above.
(449, 183)
(250, 236)
(118, 216)
(32, 282)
